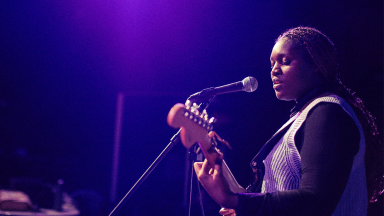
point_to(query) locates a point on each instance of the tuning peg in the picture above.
(186, 113)
(212, 120)
(200, 121)
(188, 104)
(193, 107)
(204, 115)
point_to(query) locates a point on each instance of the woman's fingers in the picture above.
(202, 168)
(197, 166)
(227, 212)
(206, 167)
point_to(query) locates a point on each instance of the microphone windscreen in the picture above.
(250, 84)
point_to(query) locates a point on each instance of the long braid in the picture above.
(321, 52)
(374, 147)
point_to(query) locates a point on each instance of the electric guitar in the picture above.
(196, 128)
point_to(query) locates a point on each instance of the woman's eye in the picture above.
(286, 62)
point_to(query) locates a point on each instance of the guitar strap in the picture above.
(257, 164)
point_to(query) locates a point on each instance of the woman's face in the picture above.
(292, 75)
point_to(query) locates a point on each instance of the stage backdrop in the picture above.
(64, 63)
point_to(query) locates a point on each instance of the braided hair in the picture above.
(322, 54)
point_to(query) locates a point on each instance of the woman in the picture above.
(317, 167)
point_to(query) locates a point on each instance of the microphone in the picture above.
(248, 84)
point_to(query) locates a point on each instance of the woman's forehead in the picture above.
(284, 47)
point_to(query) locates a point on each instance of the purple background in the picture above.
(62, 64)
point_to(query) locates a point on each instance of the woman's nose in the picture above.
(275, 70)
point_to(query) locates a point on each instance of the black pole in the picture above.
(174, 140)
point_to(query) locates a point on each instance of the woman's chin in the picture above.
(281, 96)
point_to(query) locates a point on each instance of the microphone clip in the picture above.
(203, 94)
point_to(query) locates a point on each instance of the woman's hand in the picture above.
(227, 212)
(215, 184)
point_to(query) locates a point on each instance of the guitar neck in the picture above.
(214, 156)
(211, 153)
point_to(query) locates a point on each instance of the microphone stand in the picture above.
(174, 140)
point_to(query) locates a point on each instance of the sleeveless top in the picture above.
(283, 164)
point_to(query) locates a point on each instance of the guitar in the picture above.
(196, 128)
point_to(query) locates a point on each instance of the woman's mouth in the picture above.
(276, 82)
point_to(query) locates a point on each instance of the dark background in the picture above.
(62, 64)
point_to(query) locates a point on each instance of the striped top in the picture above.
(283, 164)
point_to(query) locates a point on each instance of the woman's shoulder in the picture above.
(330, 114)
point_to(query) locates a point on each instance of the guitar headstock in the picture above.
(195, 125)
(197, 128)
